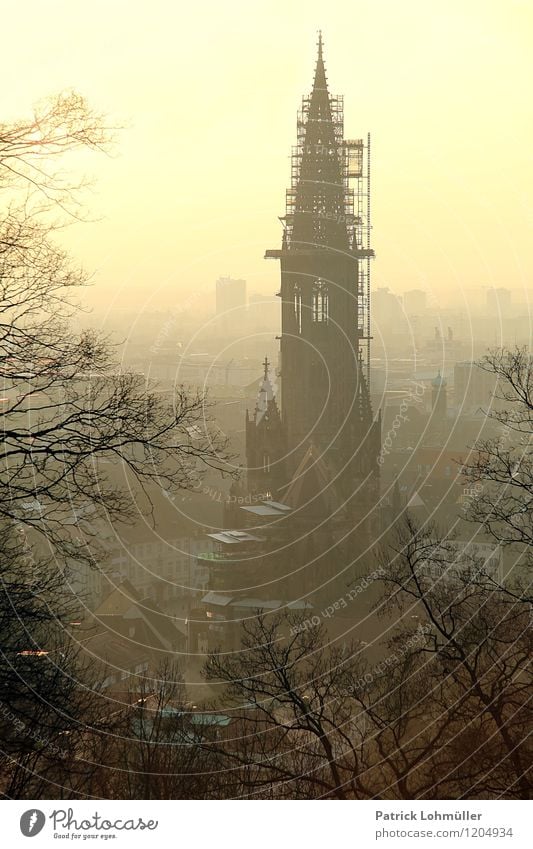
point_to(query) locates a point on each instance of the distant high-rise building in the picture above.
(414, 302)
(230, 300)
(386, 307)
(439, 397)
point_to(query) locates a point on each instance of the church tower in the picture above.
(324, 260)
(304, 530)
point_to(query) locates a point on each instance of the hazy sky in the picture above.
(209, 93)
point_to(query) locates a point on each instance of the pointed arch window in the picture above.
(320, 302)
(298, 308)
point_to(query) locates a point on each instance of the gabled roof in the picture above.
(124, 607)
(235, 537)
(119, 601)
(263, 510)
(415, 501)
(216, 598)
(114, 650)
(277, 505)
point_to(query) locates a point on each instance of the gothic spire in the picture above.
(320, 83)
(319, 214)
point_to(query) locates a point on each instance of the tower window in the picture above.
(298, 308)
(320, 302)
(266, 462)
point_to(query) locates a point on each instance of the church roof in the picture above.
(119, 601)
(310, 484)
(415, 501)
(124, 606)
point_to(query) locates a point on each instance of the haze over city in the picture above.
(206, 95)
(267, 400)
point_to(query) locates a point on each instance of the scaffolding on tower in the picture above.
(357, 181)
(336, 208)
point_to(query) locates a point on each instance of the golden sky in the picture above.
(209, 93)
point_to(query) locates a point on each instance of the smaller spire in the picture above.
(439, 380)
(266, 396)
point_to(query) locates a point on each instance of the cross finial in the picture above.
(266, 365)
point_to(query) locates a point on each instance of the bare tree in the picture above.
(473, 660)
(78, 432)
(443, 711)
(47, 691)
(152, 748)
(502, 466)
(80, 439)
(300, 730)
(33, 149)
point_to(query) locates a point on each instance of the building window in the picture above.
(320, 302)
(266, 462)
(298, 308)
